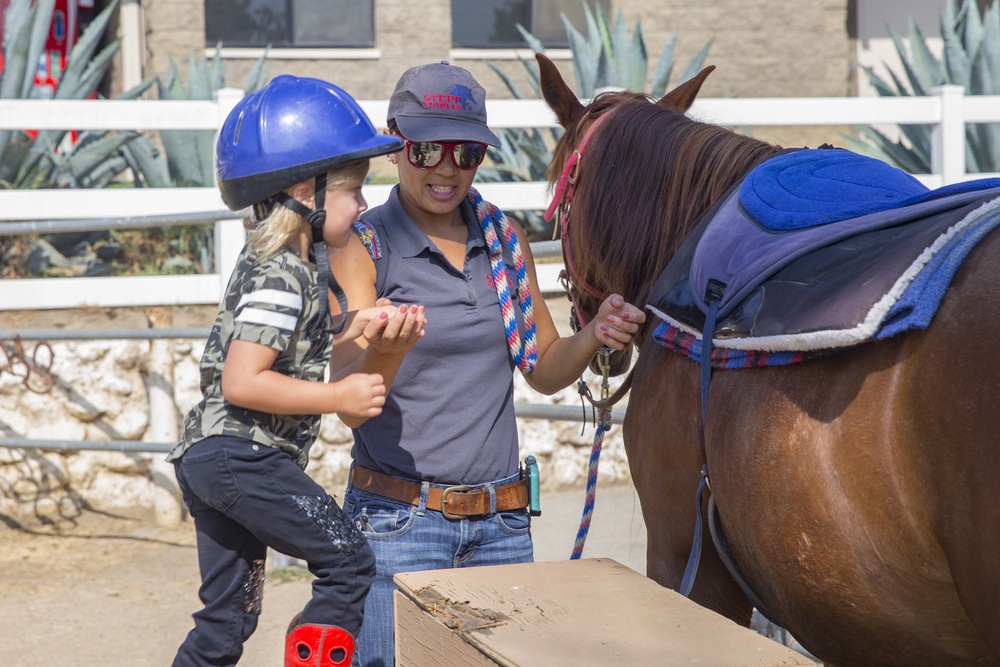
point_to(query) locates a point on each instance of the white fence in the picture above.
(948, 110)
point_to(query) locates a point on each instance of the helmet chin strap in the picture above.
(316, 217)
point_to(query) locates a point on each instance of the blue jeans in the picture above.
(408, 539)
(245, 497)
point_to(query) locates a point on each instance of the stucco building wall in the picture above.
(761, 48)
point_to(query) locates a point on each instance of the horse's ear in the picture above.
(557, 94)
(682, 97)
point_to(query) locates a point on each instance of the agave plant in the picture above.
(608, 56)
(971, 59)
(43, 159)
(190, 152)
(104, 158)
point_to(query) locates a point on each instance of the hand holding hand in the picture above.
(357, 321)
(396, 330)
(617, 322)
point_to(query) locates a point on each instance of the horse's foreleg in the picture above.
(662, 433)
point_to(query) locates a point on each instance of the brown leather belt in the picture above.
(455, 502)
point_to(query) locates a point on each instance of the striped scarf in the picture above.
(494, 223)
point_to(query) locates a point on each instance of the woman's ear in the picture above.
(391, 157)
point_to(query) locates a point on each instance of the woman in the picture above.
(436, 482)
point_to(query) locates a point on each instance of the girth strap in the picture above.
(721, 547)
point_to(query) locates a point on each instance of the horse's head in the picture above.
(635, 175)
(585, 282)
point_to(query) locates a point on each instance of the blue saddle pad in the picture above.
(811, 187)
(804, 281)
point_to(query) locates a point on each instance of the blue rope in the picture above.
(588, 506)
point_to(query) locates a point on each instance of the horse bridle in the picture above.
(570, 277)
(560, 208)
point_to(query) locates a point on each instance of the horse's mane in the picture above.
(647, 178)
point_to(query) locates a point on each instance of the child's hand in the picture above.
(398, 331)
(360, 395)
(358, 320)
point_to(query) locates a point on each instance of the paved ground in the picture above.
(118, 591)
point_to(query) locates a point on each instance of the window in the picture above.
(491, 24)
(290, 23)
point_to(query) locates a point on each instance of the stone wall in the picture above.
(103, 391)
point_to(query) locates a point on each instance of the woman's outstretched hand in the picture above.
(398, 331)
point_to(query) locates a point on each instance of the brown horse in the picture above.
(858, 492)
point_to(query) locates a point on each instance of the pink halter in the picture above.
(561, 205)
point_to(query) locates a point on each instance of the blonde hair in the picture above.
(267, 235)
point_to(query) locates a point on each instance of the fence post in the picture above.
(948, 137)
(229, 234)
(163, 418)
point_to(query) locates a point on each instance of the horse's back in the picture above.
(867, 480)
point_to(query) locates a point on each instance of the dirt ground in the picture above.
(114, 590)
(106, 589)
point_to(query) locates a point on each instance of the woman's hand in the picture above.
(396, 330)
(357, 321)
(617, 322)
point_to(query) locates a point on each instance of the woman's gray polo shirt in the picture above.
(449, 417)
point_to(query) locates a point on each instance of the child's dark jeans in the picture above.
(245, 497)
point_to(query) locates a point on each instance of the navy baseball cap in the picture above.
(440, 102)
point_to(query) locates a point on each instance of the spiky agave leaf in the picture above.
(507, 81)
(199, 77)
(917, 84)
(40, 23)
(217, 72)
(697, 62)
(957, 62)
(149, 167)
(585, 59)
(27, 26)
(664, 66)
(259, 73)
(891, 151)
(619, 52)
(925, 64)
(77, 168)
(81, 64)
(75, 87)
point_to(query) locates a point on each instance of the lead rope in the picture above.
(603, 426)
(492, 220)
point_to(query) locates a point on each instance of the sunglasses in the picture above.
(428, 154)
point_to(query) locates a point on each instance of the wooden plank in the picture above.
(426, 640)
(571, 613)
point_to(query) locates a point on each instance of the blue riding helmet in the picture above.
(293, 129)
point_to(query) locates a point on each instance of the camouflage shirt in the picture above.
(272, 303)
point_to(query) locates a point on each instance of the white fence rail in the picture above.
(948, 110)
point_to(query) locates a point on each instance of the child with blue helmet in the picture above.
(297, 153)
